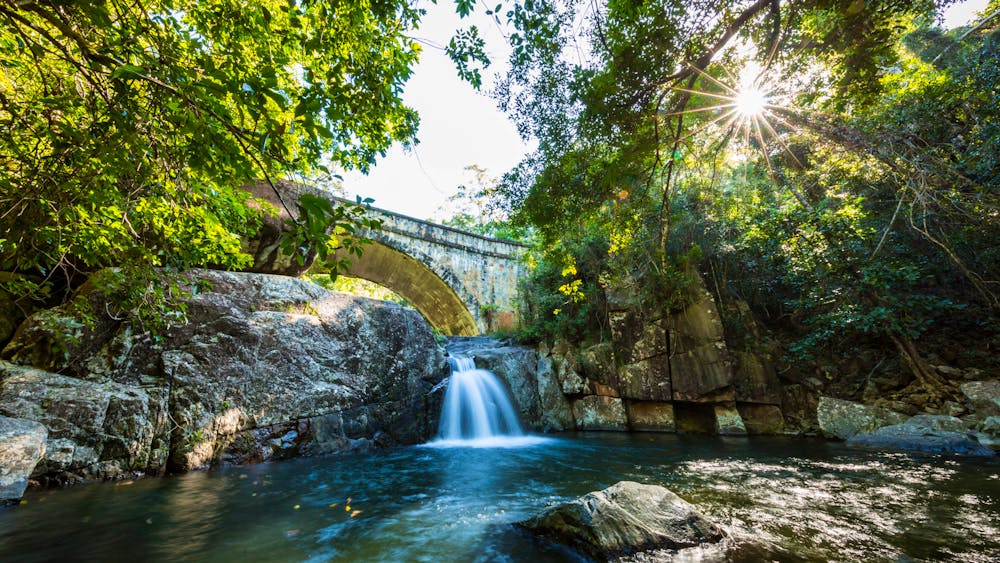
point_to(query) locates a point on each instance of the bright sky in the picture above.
(460, 127)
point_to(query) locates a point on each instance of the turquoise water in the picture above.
(799, 499)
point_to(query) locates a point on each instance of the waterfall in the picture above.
(477, 409)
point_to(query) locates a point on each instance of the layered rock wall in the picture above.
(659, 373)
(263, 367)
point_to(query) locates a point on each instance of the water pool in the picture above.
(803, 499)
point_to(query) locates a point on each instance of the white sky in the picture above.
(460, 127)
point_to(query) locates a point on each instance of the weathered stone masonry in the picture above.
(463, 283)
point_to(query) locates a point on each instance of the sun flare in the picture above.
(750, 102)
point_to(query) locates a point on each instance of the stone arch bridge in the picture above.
(463, 283)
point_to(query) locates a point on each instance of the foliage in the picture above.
(861, 205)
(326, 228)
(128, 128)
(471, 209)
(563, 297)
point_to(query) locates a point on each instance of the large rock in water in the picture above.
(95, 429)
(843, 419)
(983, 397)
(911, 437)
(623, 519)
(22, 444)
(259, 356)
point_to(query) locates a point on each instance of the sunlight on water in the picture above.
(782, 499)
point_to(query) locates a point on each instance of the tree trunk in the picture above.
(924, 373)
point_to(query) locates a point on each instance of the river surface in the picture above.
(801, 499)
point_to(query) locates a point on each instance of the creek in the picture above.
(805, 499)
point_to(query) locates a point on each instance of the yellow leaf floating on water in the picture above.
(334, 505)
(347, 508)
(355, 513)
(296, 507)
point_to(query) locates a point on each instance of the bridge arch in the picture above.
(463, 283)
(407, 274)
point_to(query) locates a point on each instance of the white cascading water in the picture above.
(476, 406)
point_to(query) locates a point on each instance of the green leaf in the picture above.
(128, 72)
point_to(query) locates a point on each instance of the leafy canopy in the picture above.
(128, 128)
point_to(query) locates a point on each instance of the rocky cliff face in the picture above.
(264, 367)
(660, 373)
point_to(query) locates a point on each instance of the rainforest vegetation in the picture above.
(829, 167)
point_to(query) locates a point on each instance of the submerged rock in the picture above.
(22, 445)
(625, 519)
(911, 437)
(844, 419)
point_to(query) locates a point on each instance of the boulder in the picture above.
(594, 412)
(700, 365)
(761, 419)
(755, 379)
(843, 419)
(914, 438)
(640, 345)
(567, 369)
(598, 363)
(983, 396)
(989, 433)
(938, 422)
(555, 410)
(95, 429)
(645, 380)
(22, 445)
(799, 405)
(624, 519)
(257, 352)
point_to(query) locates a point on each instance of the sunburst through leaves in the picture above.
(746, 112)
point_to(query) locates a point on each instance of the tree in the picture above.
(851, 189)
(128, 128)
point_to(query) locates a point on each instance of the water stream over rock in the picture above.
(477, 410)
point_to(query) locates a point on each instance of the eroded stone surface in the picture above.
(22, 445)
(650, 416)
(258, 351)
(843, 419)
(624, 519)
(594, 412)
